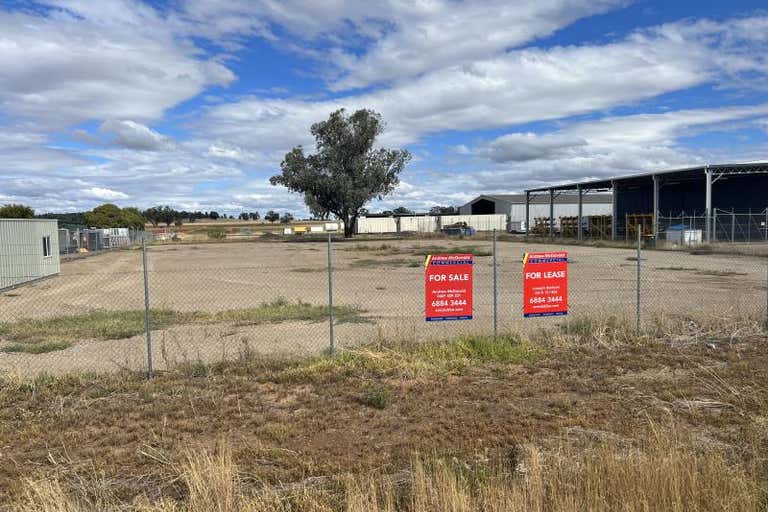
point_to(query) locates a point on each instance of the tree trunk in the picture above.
(349, 226)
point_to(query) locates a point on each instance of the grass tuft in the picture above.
(111, 325)
(378, 396)
(660, 476)
(424, 359)
(36, 348)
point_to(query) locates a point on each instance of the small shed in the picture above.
(29, 251)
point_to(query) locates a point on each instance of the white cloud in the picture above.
(514, 88)
(402, 39)
(530, 146)
(132, 135)
(104, 194)
(99, 60)
(432, 35)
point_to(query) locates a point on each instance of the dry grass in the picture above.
(566, 420)
(659, 475)
(422, 250)
(43, 335)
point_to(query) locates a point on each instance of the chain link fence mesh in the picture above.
(222, 301)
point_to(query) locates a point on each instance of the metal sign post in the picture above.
(146, 307)
(330, 293)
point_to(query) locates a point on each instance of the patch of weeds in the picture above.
(306, 270)
(275, 431)
(217, 233)
(458, 249)
(36, 348)
(720, 273)
(601, 331)
(677, 269)
(110, 325)
(413, 359)
(196, 369)
(390, 262)
(378, 396)
(282, 310)
(372, 248)
(105, 325)
(469, 349)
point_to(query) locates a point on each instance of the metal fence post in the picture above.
(639, 254)
(495, 289)
(146, 307)
(330, 293)
(766, 294)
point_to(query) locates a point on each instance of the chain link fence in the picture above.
(154, 307)
(77, 241)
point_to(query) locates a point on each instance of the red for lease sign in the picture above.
(448, 286)
(545, 284)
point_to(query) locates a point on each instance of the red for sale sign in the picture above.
(545, 284)
(448, 285)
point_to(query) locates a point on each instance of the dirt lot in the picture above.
(383, 279)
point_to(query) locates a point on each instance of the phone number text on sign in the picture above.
(545, 284)
(448, 287)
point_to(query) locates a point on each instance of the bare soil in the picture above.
(385, 279)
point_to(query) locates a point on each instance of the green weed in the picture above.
(109, 325)
(377, 396)
(36, 348)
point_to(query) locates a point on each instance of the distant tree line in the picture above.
(16, 211)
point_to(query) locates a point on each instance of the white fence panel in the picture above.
(423, 224)
(374, 225)
(497, 221)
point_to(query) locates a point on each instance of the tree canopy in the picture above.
(347, 171)
(112, 216)
(16, 211)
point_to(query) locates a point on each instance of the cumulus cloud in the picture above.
(514, 88)
(98, 60)
(104, 193)
(530, 146)
(366, 43)
(132, 135)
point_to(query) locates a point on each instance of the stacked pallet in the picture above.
(644, 220)
(541, 226)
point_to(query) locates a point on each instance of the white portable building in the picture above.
(29, 250)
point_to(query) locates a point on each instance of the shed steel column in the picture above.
(708, 207)
(581, 212)
(551, 213)
(527, 213)
(615, 210)
(655, 207)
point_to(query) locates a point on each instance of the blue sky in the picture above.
(194, 103)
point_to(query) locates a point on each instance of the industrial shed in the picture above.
(723, 202)
(514, 206)
(29, 250)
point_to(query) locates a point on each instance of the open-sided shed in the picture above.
(723, 201)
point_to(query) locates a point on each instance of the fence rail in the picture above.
(164, 305)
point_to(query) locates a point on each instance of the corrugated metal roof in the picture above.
(745, 167)
(539, 199)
